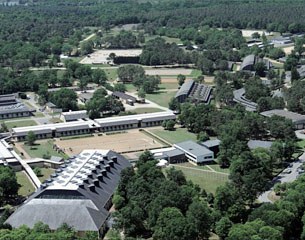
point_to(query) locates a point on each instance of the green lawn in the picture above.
(301, 144)
(24, 123)
(146, 110)
(169, 85)
(111, 74)
(179, 135)
(196, 73)
(206, 180)
(45, 173)
(39, 114)
(130, 87)
(161, 97)
(26, 186)
(41, 148)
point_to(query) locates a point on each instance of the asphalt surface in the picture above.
(284, 177)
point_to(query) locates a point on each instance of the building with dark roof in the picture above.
(253, 144)
(195, 91)
(297, 119)
(78, 194)
(11, 107)
(123, 96)
(173, 156)
(281, 40)
(213, 145)
(239, 97)
(250, 61)
(195, 152)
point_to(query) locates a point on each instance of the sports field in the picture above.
(133, 140)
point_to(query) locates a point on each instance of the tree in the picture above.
(64, 98)
(255, 35)
(8, 184)
(119, 87)
(99, 76)
(171, 224)
(223, 227)
(174, 104)
(83, 82)
(141, 93)
(169, 125)
(294, 74)
(199, 220)
(37, 171)
(176, 176)
(31, 138)
(3, 127)
(128, 73)
(260, 69)
(202, 136)
(181, 79)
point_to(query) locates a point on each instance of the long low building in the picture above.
(78, 194)
(239, 97)
(54, 130)
(134, 121)
(73, 115)
(88, 126)
(297, 119)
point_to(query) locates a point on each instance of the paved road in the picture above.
(284, 177)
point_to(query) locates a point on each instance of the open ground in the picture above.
(133, 140)
(101, 56)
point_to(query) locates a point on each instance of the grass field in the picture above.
(301, 144)
(41, 148)
(26, 187)
(111, 74)
(45, 173)
(146, 110)
(130, 87)
(206, 180)
(172, 85)
(161, 97)
(24, 123)
(179, 135)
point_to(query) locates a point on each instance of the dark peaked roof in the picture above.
(76, 194)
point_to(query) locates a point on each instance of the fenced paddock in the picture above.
(131, 141)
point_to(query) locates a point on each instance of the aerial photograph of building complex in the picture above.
(152, 120)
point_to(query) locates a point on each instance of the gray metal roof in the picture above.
(7, 99)
(211, 143)
(240, 98)
(74, 115)
(66, 201)
(253, 144)
(294, 117)
(248, 60)
(193, 148)
(185, 88)
(124, 96)
(14, 108)
(173, 153)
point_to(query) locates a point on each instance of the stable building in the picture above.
(124, 97)
(239, 97)
(195, 152)
(249, 62)
(297, 119)
(78, 194)
(194, 91)
(54, 130)
(10, 107)
(134, 121)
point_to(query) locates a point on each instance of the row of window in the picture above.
(13, 115)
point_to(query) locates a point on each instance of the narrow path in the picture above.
(213, 170)
(20, 149)
(87, 38)
(198, 169)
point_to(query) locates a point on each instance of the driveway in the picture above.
(284, 177)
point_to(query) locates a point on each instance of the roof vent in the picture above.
(100, 177)
(93, 171)
(105, 157)
(104, 172)
(90, 175)
(114, 159)
(86, 180)
(111, 163)
(92, 187)
(96, 182)
(107, 167)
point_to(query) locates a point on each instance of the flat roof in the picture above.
(14, 108)
(193, 148)
(55, 126)
(135, 118)
(5, 153)
(253, 144)
(74, 115)
(295, 117)
(211, 143)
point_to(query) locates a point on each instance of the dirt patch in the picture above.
(248, 33)
(102, 56)
(288, 50)
(168, 71)
(133, 140)
(171, 79)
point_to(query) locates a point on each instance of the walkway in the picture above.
(198, 169)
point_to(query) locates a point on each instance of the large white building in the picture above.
(195, 152)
